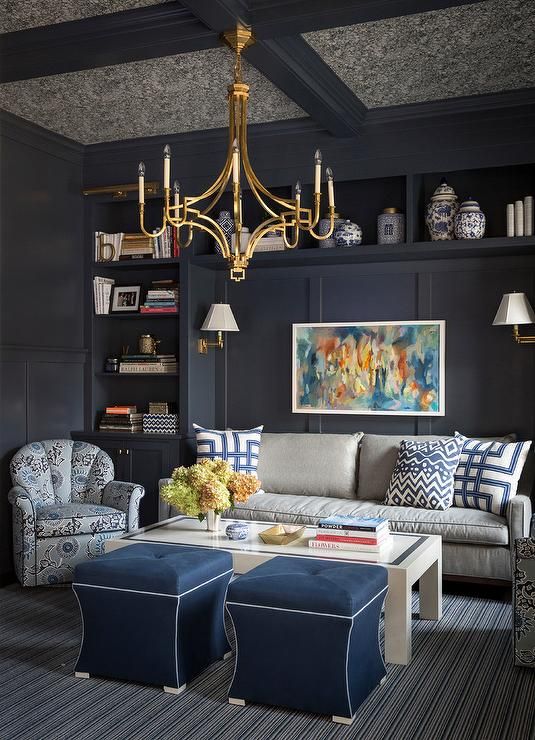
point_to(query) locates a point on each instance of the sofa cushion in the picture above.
(377, 460)
(424, 474)
(239, 447)
(62, 520)
(454, 525)
(310, 464)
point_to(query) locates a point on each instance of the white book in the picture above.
(320, 545)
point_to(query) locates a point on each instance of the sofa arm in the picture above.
(166, 511)
(518, 518)
(124, 497)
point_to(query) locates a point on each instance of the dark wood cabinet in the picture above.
(142, 459)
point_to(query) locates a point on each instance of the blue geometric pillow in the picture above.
(424, 474)
(240, 448)
(488, 474)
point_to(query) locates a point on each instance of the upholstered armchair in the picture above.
(65, 506)
(524, 602)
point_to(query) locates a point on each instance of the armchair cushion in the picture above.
(64, 520)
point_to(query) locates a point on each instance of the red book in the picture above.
(176, 249)
(150, 309)
(372, 541)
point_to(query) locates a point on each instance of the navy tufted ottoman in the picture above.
(152, 613)
(307, 635)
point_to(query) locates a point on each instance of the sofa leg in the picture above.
(79, 674)
(236, 702)
(342, 720)
(174, 690)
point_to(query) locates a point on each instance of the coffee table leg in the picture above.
(431, 591)
(398, 618)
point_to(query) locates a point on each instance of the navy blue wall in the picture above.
(41, 296)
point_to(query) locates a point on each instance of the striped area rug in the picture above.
(461, 685)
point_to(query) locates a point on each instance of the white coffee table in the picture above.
(411, 558)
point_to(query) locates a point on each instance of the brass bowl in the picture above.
(282, 534)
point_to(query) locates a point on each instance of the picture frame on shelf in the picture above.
(125, 298)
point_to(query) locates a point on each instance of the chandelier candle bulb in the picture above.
(510, 219)
(330, 186)
(317, 171)
(141, 181)
(519, 218)
(166, 166)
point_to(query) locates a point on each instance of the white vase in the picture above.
(213, 521)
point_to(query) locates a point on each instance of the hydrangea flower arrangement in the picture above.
(209, 485)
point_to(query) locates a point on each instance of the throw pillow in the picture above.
(488, 474)
(424, 474)
(240, 448)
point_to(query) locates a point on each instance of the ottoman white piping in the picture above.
(83, 627)
(153, 593)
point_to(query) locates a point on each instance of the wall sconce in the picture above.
(219, 318)
(515, 309)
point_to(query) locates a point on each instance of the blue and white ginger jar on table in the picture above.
(348, 234)
(237, 531)
(470, 221)
(441, 212)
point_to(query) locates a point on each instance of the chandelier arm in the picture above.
(260, 231)
(188, 240)
(215, 231)
(142, 223)
(331, 227)
(292, 224)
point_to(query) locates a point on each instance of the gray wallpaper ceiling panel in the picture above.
(466, 50)
(167, 95)
(18, 14)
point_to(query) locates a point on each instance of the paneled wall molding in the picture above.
(27, 133)
(44, 354)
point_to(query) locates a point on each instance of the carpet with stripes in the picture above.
(460, 685)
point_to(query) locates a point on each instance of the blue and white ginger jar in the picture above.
(226, 223)
(348, 234)
(323, 228)
(237, 531)
(441, 212)
(390, 227)
(470, 221)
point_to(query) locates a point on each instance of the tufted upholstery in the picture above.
(65, 505)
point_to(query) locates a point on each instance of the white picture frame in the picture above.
(125, 298)
(424, 398)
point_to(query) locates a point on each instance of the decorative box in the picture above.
(237, 531)
(160, 423)
(282, 534)
(161, 407)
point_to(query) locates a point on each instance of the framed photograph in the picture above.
(377, 367)
(125, 298)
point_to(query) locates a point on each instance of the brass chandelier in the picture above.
(285, 215)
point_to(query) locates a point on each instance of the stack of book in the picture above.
(101, 294)
(148, 364)
(364, 534)
(166, 245)
(271, 242)
(136, 246)
(121, 419)
(162, 297)
(107, 246)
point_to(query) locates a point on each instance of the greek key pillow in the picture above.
(488, 473)
(424, 474)
(240, 448)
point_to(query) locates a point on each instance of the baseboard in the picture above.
(502, 583)
(7, 578)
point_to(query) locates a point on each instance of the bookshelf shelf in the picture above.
(133, 264)
(136, 375)
(136, 316)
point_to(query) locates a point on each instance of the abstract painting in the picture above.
(382, 367)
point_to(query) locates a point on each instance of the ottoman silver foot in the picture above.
(173, 690)
(227, 655)
(236, 702)
(79, 674)
(342, 720)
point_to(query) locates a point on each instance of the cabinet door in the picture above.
(119, 459)
(147, 465)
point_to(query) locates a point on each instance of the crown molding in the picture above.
(25, 132)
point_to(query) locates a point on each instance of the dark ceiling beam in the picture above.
(271, 18)
(294, 67)
(132, 35)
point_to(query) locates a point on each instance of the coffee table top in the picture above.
(405, 550)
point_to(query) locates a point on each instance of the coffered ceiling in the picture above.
(16, 15)
(468, 50)
(158, 67)
(186, 92)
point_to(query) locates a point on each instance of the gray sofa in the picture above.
(309, 476)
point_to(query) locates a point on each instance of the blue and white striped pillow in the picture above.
(240, 448)
(488, 474)
(424, 473)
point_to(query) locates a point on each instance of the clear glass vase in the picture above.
(213, 521)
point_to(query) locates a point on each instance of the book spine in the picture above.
(132, 368)
(318, 544)
(352, 533)
(351, 527)
(371, 541)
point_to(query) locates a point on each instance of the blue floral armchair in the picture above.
(65, 506)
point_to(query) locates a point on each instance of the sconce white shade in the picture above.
(220, 318)
(514, 309)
